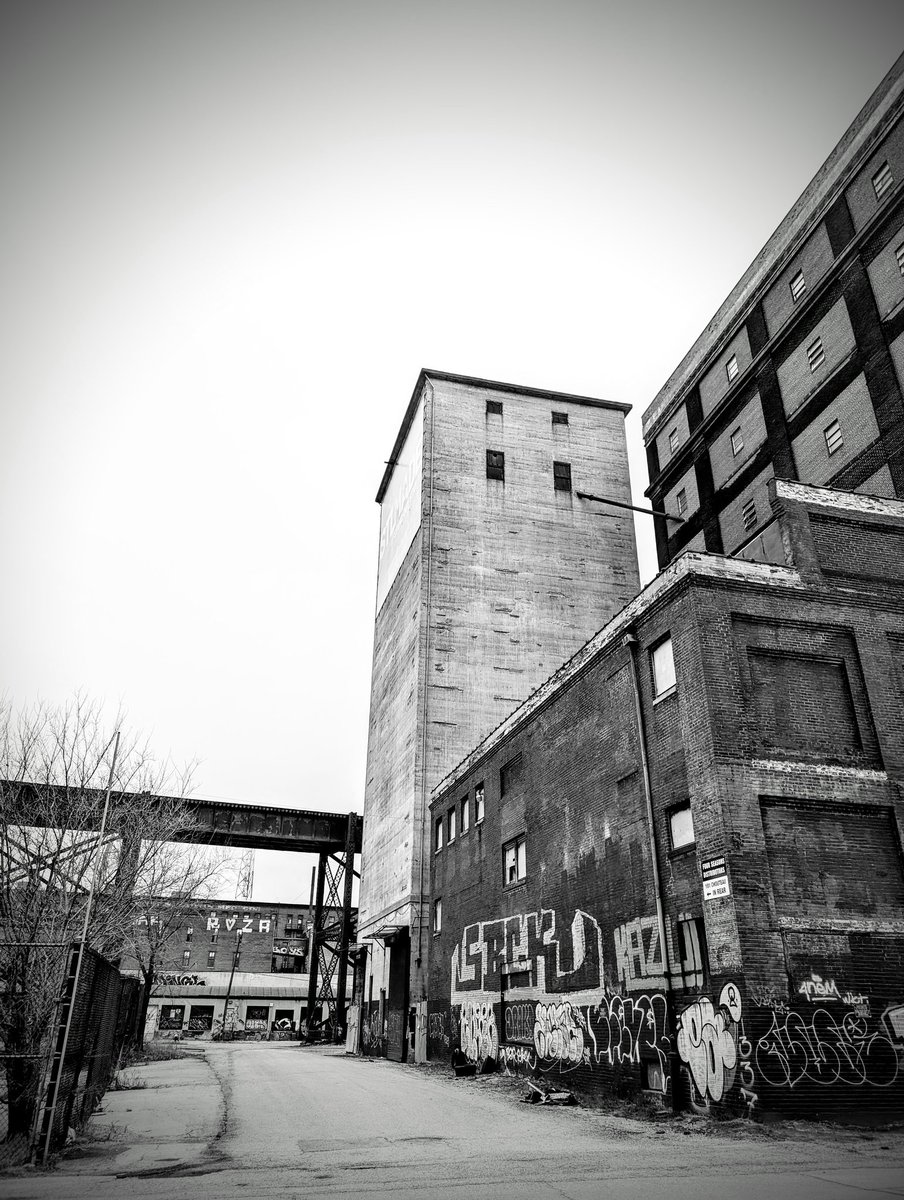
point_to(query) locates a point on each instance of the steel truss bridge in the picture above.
(334, 837)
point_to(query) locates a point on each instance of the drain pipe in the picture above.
(630, 641)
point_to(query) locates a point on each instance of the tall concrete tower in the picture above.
(491, 574)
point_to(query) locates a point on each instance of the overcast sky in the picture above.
(232, 235)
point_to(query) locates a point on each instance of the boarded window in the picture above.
(681, 827)
(494, 408)
(510, 774)
(833, 859)
(561, 476)
(662, 661)
(560, 418)
(804, 704)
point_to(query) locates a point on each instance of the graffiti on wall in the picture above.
(817, 988)
(640, 962)
(825, 1048)
(707, 1041)
(478, 1036)
(551, 962)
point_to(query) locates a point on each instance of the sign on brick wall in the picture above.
(715, 878)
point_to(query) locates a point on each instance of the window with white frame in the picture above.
(465, 815)
(479, 795)
(514, 861)
(882, 180)
(438, 835)
(737, 441)
(681, 501)
(673, 440)
(681, 827)
(732, 370)
(186, 957)
(798, 286)
(438, 915)
(816, 355)
(662, 661)
(450, 825)
(189, 933)
(833, 436)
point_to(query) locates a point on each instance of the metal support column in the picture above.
(346, 926)
(314, 950)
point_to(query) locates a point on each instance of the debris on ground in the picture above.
(538, 1095)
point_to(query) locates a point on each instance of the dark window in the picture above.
(186, 957)
(681, 827)
(560, 418)
(214, 937)
(561, 476)
(494, 408)
(514, 861)
(188, 933)
(882, 180)
(510, 774)
(171, 1016)
(211, 957)
(496, 465)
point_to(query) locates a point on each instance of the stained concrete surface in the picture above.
(275, 1120)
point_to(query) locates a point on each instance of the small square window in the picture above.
(816, 355)
(560, 418)
(438, 835)
(186, 957)
(450, 825)
(561, 476)
(681, 501)
(834, 439)
(214, 937)
(509, 775)
(882, 180)
(737, 441)
(681, 827)
(494, 408)
(465, 808)
(514, 862)
(211, 957)
(748, 514)
(479, 794)
(496, 465)
(673, 440)
(662, 660)
(189, 933)
(798, 286)
(899, 257)
(437, 916)
(731, 368)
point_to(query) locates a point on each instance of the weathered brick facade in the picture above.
(773, 814)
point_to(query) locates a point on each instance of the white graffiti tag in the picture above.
(707, 1042)
(558, 1036)
(477, 1028)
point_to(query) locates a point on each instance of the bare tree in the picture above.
(54, 765)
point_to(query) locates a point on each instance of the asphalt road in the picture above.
(273, 1120)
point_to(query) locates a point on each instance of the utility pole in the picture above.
(235, 959)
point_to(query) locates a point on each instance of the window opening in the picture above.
(211, 957)
(479, 794)
(437, 915)
(186, 957)
(561, 476)
(899, 258)
(496, 465)
(514, 861)
(510, 774)
(189, 933)
(673, 441)
(748, 514)
(816, 355)
(465, 815)
(798, 286)
(882, 180)
(560, 418)
(663, 662)
(737, 441)
(494, 408)
(731, 368)
(833, 436)
(681, 827)
(438, 840)
(450, 825)
(681, 501)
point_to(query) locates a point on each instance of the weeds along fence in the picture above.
(70, 1074)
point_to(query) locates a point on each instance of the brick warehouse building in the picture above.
(800, 373)
(677, 867)
(264, 947)
(491, 573)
